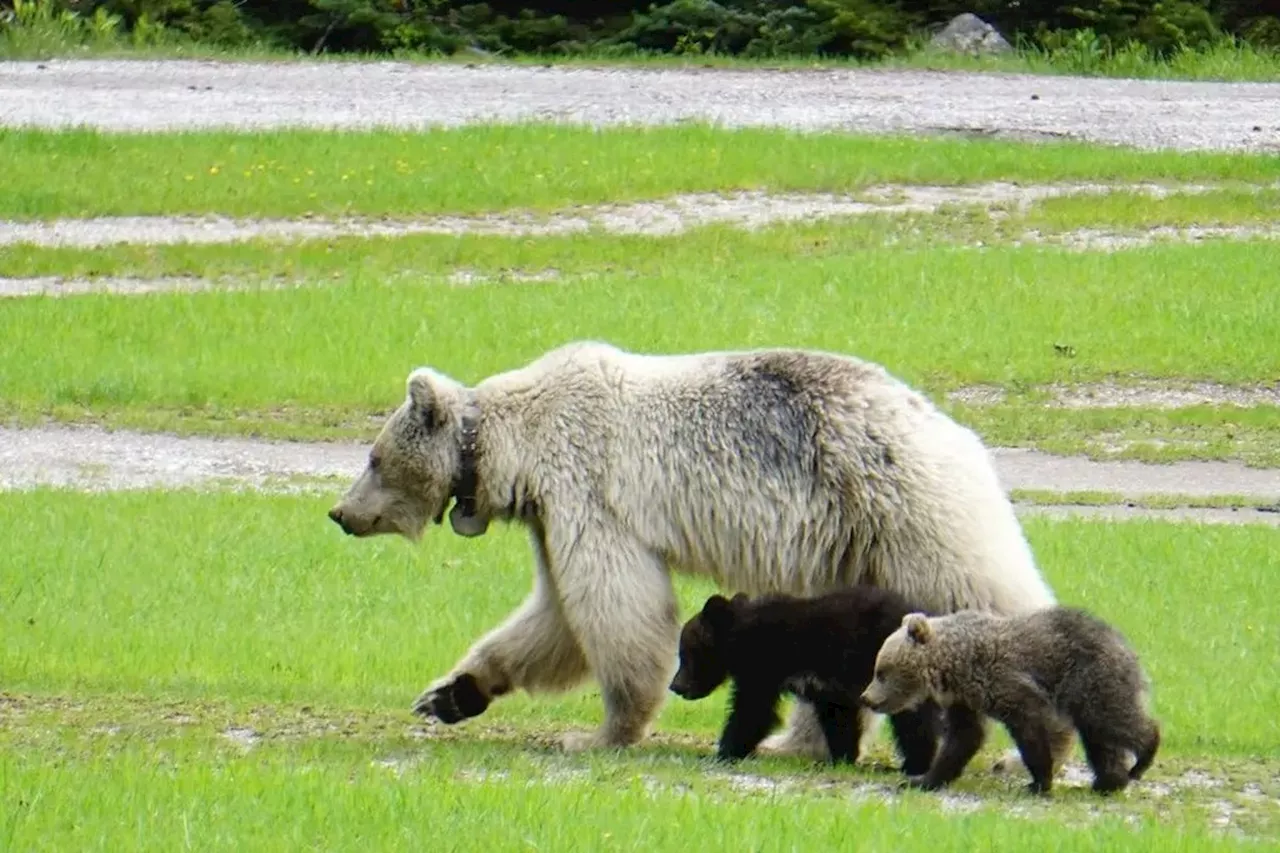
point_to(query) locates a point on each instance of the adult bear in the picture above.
(768, 471)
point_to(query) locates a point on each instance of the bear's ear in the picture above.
(422, 395)
(918, 628)
(739, 601)
(719, 613)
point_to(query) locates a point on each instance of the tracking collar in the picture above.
(465, 483)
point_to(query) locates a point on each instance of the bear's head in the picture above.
(901, 679)
(414, 465)
(706, 647)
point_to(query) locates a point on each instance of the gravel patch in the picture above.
(171, 95)
(1102, 240)
(664, 217)
(56, 286)
(1030, 470)
(53, 286)
(1167, 394)
(1198, 515)
(94, 459)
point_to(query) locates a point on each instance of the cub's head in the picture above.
(412, 466)
(901, 678)
(705, 647)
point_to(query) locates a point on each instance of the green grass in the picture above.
(936, 317)
(1126, 209)
(484, 168)
(261, 599)
(1148, 434)
(142, 627)
(405, 258)
(714, 247)
(194, 793)
(883, 287)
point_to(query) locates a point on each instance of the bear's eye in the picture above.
(374, 461)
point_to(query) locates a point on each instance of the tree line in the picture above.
(863, 29)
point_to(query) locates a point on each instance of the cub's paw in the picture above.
(453, 699)
(921, 783)
(916, 767)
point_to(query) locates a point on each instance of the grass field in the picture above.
(466, 170)
(233, 649)
(227, 671)
(939, 316)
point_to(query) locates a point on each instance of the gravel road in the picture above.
(158, 95)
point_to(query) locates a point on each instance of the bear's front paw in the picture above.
(454, 700)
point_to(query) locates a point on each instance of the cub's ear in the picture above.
(423, 396)
(739, 601)
(918, 628)
(719, 612)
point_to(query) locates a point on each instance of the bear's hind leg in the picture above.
(1061, 739)
(1108, 761)
(803, 735)
(916, 734)
(1035, 742)
(1148, 745)
(617, 598)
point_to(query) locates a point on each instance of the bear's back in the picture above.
(835, 636)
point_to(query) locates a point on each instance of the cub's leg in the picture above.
(965, 733)
(754, 713)
(841, 721)
(916, 734)
(1108, 758)
(1037, 729)
(1148, 743)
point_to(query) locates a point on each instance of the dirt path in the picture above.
(156, 95)
(660, 217)
(94, 459)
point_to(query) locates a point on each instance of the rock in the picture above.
(968, 33)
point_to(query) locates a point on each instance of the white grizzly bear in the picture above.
(768, 471)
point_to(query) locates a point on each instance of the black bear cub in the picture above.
(821, 649)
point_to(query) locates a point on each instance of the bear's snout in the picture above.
(680, 686)
(336, 516)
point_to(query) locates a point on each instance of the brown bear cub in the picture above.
(822, 650)
(1044, 675)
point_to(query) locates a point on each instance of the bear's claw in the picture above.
(453, 701)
